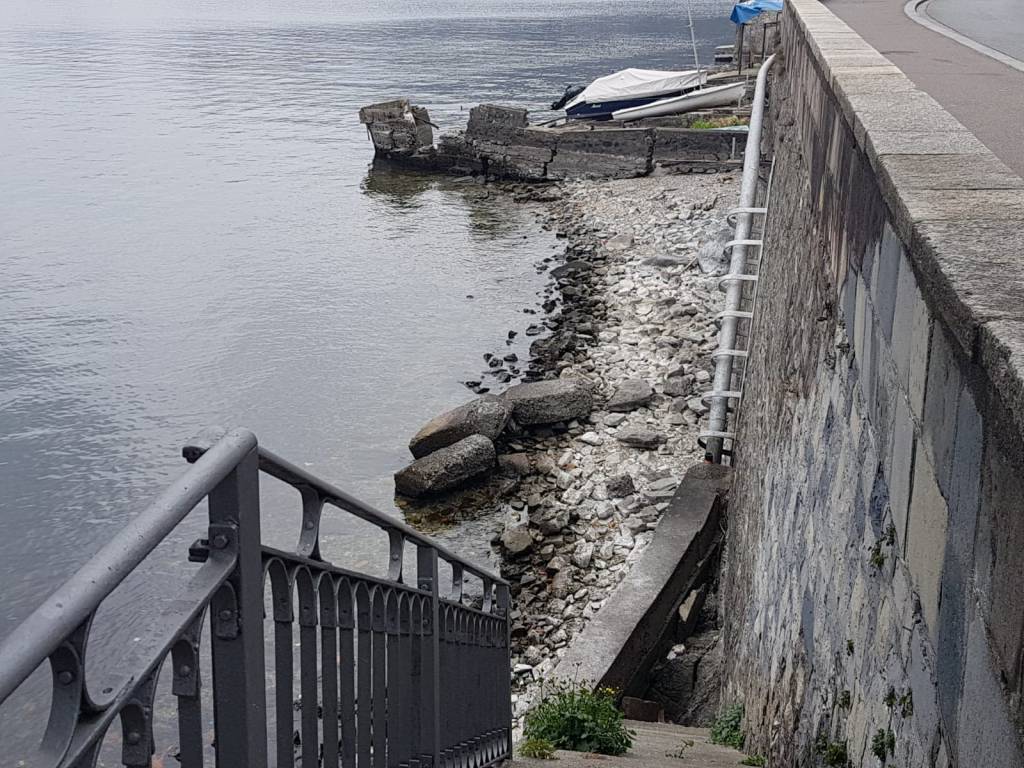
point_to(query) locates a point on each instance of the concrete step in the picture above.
(657, 745)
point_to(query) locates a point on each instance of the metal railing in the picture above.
(390, 673)
(738, 283)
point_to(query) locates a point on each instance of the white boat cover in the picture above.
(636, 83)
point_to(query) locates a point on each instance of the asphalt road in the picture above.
(982, 93)
(998, 24)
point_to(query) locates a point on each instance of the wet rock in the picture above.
(485, 416)
(630, 395)
(550, 401)
(447, 468)
(640, 438)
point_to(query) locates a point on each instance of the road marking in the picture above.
(917, 11)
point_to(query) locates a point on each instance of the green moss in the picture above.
(883, 744)
(877, 557)
(844, 699)
(728, 727)
(753, 760)
(906, 703)
(538, 749)
(579, 718)
(833, 753)
(849, 647)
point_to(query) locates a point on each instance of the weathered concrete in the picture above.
(499, 142)
(624, 639)
(876, 541)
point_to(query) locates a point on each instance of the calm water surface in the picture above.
(189, 236)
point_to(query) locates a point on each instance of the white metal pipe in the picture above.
(718, 413)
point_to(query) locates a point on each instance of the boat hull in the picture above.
(705, 98)
(604, 110)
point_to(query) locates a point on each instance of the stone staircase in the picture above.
(657, 745)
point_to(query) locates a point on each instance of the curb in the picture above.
(916, 10)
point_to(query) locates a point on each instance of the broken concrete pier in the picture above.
(499, 142)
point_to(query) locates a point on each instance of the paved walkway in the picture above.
(658, 745)
(998, 24)
(983, 94)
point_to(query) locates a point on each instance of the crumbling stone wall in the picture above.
(499, 142)
(873, 578)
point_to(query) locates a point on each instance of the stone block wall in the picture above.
(873, 583)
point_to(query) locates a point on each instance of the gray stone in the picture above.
(630, 395)
(619, 242)
(613, 419)
(620, 486)
(677, 386)
(485, 416)
(447, 468)
(516, 537)
(554, 522)
(550, 401)
(640, 438)
(583, 554)
(561, 584)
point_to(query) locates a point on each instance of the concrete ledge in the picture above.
(968, 250)
(618, 646)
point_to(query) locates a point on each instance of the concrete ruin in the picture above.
(499, 142)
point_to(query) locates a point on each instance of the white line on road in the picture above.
(916, 10)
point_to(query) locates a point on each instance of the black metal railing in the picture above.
(391, 673)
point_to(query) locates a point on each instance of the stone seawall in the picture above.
(875, 555)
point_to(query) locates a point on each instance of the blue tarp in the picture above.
(744, 12)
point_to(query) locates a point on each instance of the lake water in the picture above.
(189, 236)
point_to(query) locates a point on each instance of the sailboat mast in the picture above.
(693, 38)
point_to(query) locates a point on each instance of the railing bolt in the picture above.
(220, 541)
(308, 525)
(65, 678)
(225, 615)
(134, 737)
(184, 670)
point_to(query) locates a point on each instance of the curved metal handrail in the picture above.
(77, 599)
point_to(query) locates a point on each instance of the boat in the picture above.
(703, 98)
(630, 88)
(724, 54)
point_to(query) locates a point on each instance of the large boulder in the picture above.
(630, 395)
(485, 416)
(550, 401)
(447, 468)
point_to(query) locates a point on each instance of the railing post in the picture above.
(503, 600)
(236, 620)
(427, 580)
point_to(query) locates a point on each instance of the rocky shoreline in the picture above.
(629, 313)
(637, 298)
